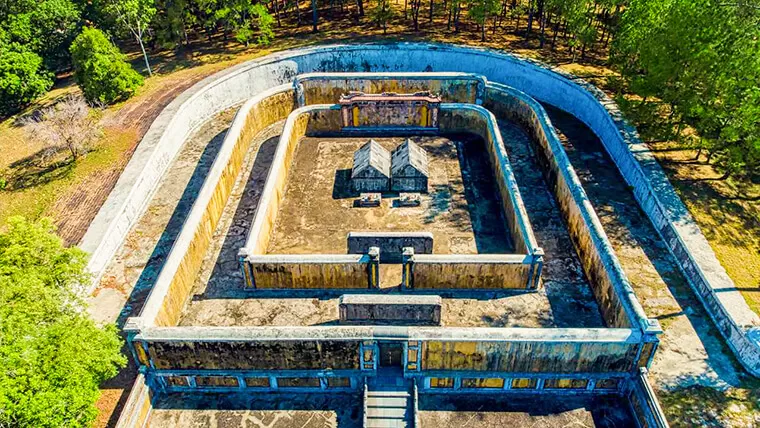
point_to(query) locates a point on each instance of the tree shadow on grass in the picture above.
(43, 167)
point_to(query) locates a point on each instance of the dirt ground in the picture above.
(257, 411)
(461, 209)
(437, 411)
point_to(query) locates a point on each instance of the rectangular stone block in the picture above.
(390, 309)
(391, 244)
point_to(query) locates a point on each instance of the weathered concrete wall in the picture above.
(495, 350)
(138, 407)
(477, 120)
(395, 309)
(174, 284)
(472, 272)
(644, 404)
(326, 88)
(312, 271)
(608, 281)
(529, 357)
(391, 244)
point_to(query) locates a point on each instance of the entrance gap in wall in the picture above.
(390, 275)
(390, 358)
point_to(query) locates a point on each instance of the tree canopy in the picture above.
(52, 355)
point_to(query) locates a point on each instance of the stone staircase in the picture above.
(388, 403)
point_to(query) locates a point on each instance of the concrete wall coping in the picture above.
(474, 258)
(308, 258)
(353, 333)
(389, 299)
(390, 234)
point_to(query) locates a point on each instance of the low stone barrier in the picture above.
(524, 359)
(391, 244)
(390, 308)
(473, 272)
(312, 271)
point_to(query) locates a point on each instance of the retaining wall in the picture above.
(174, 285)
(224, 356)
(455, 271)
(312, 271)
(326, 88)
(139, 405)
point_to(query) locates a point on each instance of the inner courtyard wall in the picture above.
(174, 285)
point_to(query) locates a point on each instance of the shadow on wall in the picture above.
(225, 280)
(172, 230)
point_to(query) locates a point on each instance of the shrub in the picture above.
(22, 79)
(101, 70)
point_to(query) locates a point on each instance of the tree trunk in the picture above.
(145, 55)
(314, 28)
(360, 4)
(530, 19)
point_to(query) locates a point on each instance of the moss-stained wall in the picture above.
(344, 271)
(459, 119)
(322, 90)
(186, 256)
(478, 272)
(610, 287)
(307, 354)
(529, 357)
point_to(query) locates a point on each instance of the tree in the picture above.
(479, 11)
(68, 125)
(52, 355)
(101, 70)
(133, 16)
(382, 14)
(44, 27)
(23, 79)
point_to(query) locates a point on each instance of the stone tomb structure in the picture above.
(409, 168)
(395, 333)
(371, 170)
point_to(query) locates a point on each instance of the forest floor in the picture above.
(727, 211)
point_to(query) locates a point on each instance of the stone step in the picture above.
(386, 401)
(387, 423)
(386, 413)
(388, 393)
